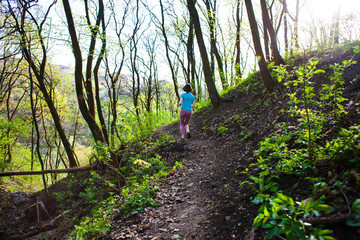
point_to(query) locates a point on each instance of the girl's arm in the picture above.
(180, 102)
(193, 104)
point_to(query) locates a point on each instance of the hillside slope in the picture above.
(202, 197)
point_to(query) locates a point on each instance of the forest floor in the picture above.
(202, 199)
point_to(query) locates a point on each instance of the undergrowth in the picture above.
(106, 195)
(317, 133)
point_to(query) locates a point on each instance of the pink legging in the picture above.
(184, 120)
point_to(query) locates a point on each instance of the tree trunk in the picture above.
(39, 72)
(237, 43)
(33, 112)
(213, 93)
(265, 74)
(296, 25)
(96, 76)
(214, 49)
(286, 28)
(266, 42)
(270, 28)
(166, 42)
(79, 78)
(335, 26)
(191, 58)
(115, 77)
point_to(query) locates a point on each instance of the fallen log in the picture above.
(68, 170)
(332, 220)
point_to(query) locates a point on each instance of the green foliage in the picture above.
(10, 132)
(262, 184)
(356, 221)
(140, 188)
(134, 128)
(222, 130)
(331, 94)
(345, 146)
(93, 192)
(138, 195)
(356, 49)
(102, 152)
(296, 148)
(227, 91)
(204, 105)
(99, 222)
(245, 136)
(282, 216)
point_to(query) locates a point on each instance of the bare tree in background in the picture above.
(238, 73)
(167, 46)
(114, 69)
(85, 99)
(38, 64)
(295, 36)
(212, 91)
(211, 16)
(265, 74)
(335, 30)
(268, 27)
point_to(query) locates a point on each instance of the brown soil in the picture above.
(201, 200)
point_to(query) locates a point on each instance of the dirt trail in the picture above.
(184, 202)
(201, 199)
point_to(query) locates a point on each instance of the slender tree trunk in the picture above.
(94, 32)
(87, 114)
(214, 49)
(266, 42)
(39, 72)
(166, 42)
(37, 146)
(286, 28)
(96, 76)
(237, 42)
(266, 36)
(336, 23)
(296, 25)
(114, 75)
(213, 93)
(191, 57)
(270, 28)
(265, 74)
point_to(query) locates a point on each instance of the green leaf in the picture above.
(273, 232)
(356, 206)
(328, 238)
(268, 225)
(324, 207)
(325, 231)
(319, 71)
(266, 212)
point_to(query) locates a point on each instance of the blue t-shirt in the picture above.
(188, 99)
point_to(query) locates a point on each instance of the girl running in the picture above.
(187, 103)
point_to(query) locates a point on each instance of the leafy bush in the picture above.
(138, 196)
(297, 147)
(282, 216)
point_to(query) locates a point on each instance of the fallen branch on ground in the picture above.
(332, 220)
(68, 170)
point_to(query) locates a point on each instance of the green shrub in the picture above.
(283, 217)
